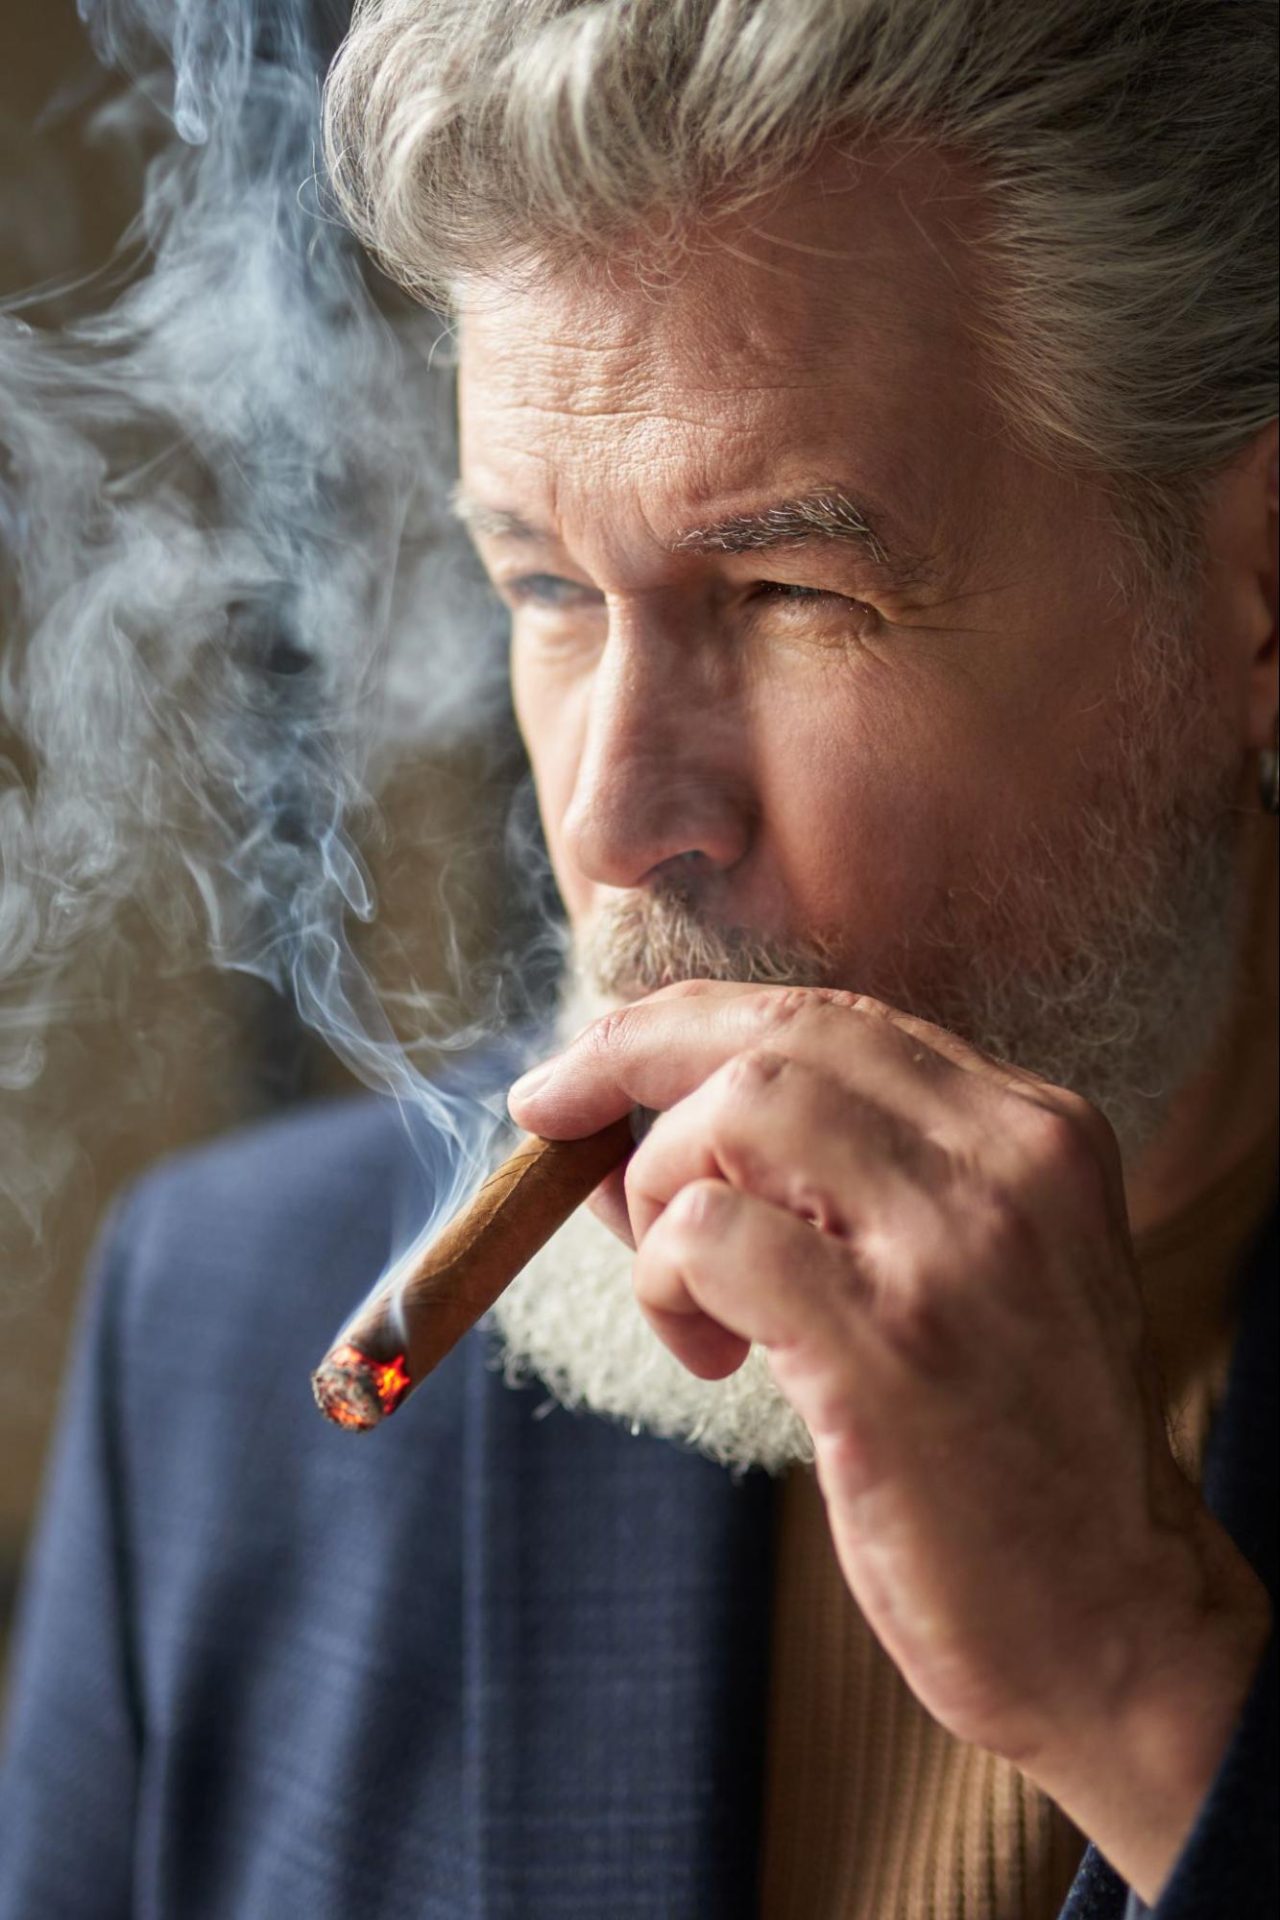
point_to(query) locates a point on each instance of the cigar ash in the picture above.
(356, 1391)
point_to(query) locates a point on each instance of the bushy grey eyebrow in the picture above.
(826, 514)
(492, 523)
(808, 516)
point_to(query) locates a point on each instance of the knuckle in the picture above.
(737, 1093)
(750, 1071)
(611, 1033)
(867, 1004)
(919, 1323)
(680, 990)
(777, 1008)
(843, 998)
(1065, 1160)
(1094, 1127)
(1053, 1139)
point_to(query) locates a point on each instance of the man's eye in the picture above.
(548, 590)
(811, 600)
(783, 590)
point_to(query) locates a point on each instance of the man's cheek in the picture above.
(865, 839)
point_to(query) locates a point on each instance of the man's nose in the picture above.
(662, 775)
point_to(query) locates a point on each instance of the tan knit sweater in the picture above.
(872, 1811)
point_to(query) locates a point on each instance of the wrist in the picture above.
(1136, 1782)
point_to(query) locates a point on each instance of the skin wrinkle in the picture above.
(1031, 835)
(1013, 817)
(817, 516)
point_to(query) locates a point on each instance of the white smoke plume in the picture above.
(229, 589)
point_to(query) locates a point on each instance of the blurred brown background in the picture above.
(163, 1057)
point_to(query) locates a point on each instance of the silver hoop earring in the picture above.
(1269, 775)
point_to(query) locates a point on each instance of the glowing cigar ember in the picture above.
(354, 1391)
(426, 1303)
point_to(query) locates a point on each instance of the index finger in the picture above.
(658, 1051)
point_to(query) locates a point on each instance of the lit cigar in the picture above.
(416, 1316)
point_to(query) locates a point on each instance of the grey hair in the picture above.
(1127, 149)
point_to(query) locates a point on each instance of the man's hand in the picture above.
(934, 1250)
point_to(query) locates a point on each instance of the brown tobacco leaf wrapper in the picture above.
(418, 1315)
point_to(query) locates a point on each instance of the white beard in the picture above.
(571, 1321)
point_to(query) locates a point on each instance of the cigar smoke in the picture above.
(229, 588)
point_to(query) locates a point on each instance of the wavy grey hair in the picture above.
(1127, 149)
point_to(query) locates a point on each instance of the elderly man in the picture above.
(867, 416)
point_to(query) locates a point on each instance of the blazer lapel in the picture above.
(617, 1628)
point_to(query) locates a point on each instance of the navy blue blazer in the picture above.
(489, 1662)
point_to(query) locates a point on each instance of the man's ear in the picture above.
(1270, 661)
(1242, 525)
(1260, 530)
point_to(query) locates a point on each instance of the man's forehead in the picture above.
(777, 371)
(730, 330)
(880, 237)
(732, 476)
